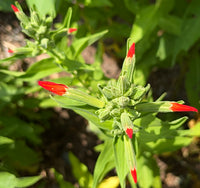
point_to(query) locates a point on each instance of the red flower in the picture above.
(176, 107)
(15, 9)
(134, 175)
(129, 132)
(58, 89)
(71, 30)
(131, 51)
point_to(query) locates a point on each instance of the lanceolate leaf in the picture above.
(84, 110)
(148, 172)
(120, 162)
(80, 44)
(104, 164)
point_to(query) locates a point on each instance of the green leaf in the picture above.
(193, 79)
(21, 155)
(190, 29)
(171, 24)
(45, 7)
(86, 111)
(148, 172)
(7, 180)
(98, 3)
(62, 183)
(5, 5)
(120, 162)
(5, 140)
(67, 18)
(36, 71)
(40, 70)
(16, 128)
(157, 136)
(79, 45)
(80, 172)
(145, 23)
(104, 164)
(27, 181)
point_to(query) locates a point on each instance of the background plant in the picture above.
(154, 48)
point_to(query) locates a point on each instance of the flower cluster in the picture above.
(40, 29)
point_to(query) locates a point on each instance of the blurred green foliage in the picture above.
(166, 33)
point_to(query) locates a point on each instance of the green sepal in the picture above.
(140, 92)
(128, 68)
(123, 84)
(83, 97)
(154, 107)
(126, 121)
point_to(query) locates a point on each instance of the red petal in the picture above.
(15, 9)
(131, 51)
(176, 107)
(10, 51)
(134, 175)
(59, 89)
(129, 132)
(70, 30)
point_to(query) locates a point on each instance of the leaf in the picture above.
(190, 28)
(45, 7)
(157, 136)
(7, 180)
(98, 3)
(62, 183)
(27, 181)
(21, 155)
(86, 111)
(104, 164)
(145, 23)
(111, 182)
(67, 19)
(120, 162)
(36, 71)
(5, 5)
(80, 172)
(148, 171)
(16, 128)
(5, 140)
(79, 45)
(171, 24)
(40, 70)
(193, 79)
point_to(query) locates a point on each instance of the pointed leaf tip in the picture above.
(15, 9)
(131, 51)
(176, 107)
(129, 132)
(134, 175)
(58, 89)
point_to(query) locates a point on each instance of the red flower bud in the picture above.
(71, 30)
(15, 9)
(129, 132)
(131, 51)
(10, 51)
(58, 89)
(176, 107)
(134, 175)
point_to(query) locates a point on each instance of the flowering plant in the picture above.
(119, 111)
